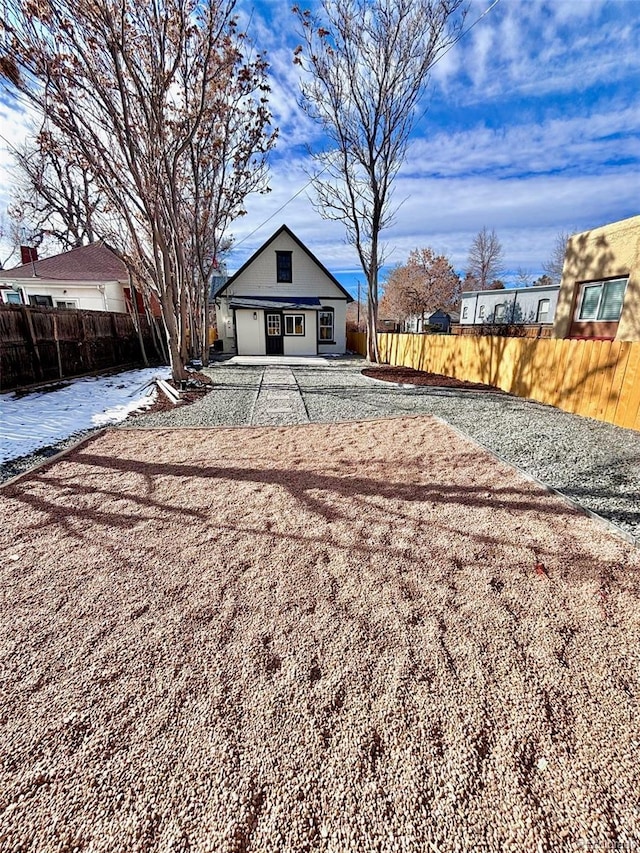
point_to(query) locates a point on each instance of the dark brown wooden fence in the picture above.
(44, 344)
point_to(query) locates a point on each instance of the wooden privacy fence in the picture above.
(42, 344)
(598, 379)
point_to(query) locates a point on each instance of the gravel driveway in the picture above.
(593, 463)
(334, 638)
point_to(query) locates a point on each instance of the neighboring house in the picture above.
(512, 306)
(439, 320)
(600, 290)
(90, 277)
(283, 301)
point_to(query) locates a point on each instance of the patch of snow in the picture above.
(31, 421)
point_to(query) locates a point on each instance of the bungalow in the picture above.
(600, 289)
(282, 301)
(90, 277)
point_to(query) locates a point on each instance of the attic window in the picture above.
(284, 267)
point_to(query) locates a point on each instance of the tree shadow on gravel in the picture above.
(300, 483)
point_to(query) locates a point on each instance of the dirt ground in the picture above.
(337, 637)
(409, 376)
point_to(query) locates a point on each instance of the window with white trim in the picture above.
(325, 325)
(465, 312)
(284, 267)
(294, 324)
(499, 312)
(602, 300)
(61, 303)
(481, 312)
(544, 306)
(12, 297)
(40, 301)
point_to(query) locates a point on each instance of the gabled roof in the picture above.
(95, 262)
(304, 249)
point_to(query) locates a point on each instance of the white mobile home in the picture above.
(512, 306)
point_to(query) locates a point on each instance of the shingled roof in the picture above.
(95, 262)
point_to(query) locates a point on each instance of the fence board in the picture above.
(40, 344)
(627, 407)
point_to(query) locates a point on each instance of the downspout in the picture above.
(475, 309)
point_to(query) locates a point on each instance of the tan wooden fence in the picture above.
(599, 379)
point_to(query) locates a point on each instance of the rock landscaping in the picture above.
(409, 376)
(328, 637)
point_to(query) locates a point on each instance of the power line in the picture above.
(324, 169)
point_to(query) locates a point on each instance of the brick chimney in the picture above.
(28, 254)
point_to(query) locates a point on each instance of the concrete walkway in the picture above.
(279, 401)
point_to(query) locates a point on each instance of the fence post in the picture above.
(56, 340)
(26, 313)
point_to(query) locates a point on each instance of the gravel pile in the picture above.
(319, 638)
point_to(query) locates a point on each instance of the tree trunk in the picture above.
(373, 353)
(177, 354)
(205, 330)
(136, 320)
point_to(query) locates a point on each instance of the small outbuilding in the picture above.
(282, 301)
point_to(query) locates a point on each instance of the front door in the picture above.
(274, 333)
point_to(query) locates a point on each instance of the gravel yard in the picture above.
(333, 637)
(593, 463)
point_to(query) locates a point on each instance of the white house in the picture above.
(282, 301)
(514, 305)
(90, 277)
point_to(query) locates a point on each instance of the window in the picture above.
(602, 300)
(499, 312)
(284, 267)
(325, 325)
(12, 297)
(481, 313)
(465, 312)
(68, 304)
(543, 311)
(294, 324)
(273, 325)
(41, 301)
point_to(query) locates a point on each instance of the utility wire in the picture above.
(324, 168)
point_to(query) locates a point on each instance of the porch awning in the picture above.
(275, 303)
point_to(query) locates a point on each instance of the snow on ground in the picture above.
(31, 421)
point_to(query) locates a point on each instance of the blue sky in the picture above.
(532, 126)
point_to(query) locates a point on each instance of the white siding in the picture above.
(520, 305)
(224, 324)
(339, 328)
(259, 279)
(250, 333)
(90, 296)
(302, 344)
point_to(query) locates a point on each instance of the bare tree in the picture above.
(130, 87)
(425, 283)
(553, 266)
(524, 277)
(485, 258)
(227, 162)
(368, 63)
(52, 193)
